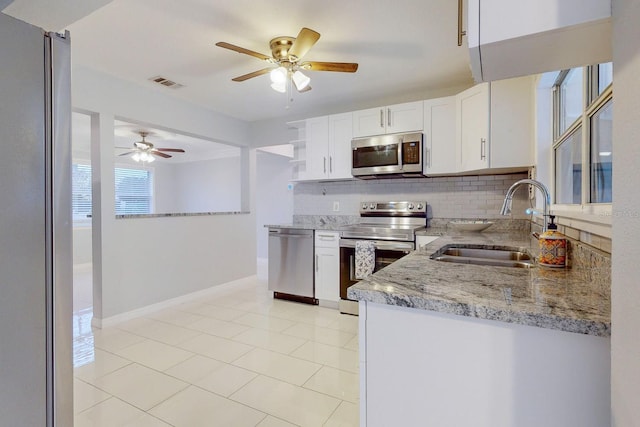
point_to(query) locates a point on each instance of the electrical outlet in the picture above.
(336, 206)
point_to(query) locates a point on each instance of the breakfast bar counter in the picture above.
(445, 343)
(575, 299)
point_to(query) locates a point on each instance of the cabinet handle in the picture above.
(330, 164)
(483, 143)
(461, 32)
(325, 164)
(316, 263)
(388, 116)
(381, 118)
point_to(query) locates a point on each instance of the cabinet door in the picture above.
(317, 155)
(406, 117)
(340, 134)
(369, 122)
(327, 274)
(512, 123)
(440, 136)
(472, 128)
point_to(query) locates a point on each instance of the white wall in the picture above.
(625, 292)
(194, 187)
(81, 245)
(138, 262)
(209, 185)
(274, 201)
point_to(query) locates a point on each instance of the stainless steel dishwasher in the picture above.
(291, 274)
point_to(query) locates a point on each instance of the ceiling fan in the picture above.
(143, 150)
(285, 62)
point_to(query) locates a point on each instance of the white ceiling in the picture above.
(404, 48)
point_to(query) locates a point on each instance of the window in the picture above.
(134, 190)
(583, 152)
(81, 193)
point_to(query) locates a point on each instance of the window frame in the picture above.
(587, 216)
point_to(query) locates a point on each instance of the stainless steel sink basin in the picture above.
(484, 255)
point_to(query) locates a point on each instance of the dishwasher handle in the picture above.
(291, 233)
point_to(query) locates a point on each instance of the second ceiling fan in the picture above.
(286, 61)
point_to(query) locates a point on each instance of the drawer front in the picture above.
(327, 239)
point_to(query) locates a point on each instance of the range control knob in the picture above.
(372, 206)
(419, 205)
(410, 206)
(364, 206)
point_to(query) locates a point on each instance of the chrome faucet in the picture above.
(546, 201)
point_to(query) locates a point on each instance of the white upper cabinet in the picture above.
(472, 128)
(407, 117)
(494, 126)
(515, 38)
(317, 152)
(440, 136)
(328, 147)
(340, 135)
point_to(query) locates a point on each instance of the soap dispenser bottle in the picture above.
(553, 246)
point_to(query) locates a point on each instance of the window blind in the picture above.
(133, 191)
(81, 192)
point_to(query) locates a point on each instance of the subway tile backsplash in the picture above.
(465, 197)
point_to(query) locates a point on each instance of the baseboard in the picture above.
(142, 311)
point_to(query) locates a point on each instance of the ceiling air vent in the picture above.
(166, 82)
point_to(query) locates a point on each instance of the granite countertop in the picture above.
(573, 299)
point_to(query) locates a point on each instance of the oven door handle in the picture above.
(380, 244)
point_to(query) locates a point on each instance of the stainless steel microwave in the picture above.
(395, 154)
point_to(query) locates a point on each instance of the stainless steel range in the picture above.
(392, 227)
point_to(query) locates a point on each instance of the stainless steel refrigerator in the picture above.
(36, 373)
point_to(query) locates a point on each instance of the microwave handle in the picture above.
(400, 153)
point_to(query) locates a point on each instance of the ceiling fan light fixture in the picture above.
(279, 87)
(136, 157)
(279, 75)
(300, 80)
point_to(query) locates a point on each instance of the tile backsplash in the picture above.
(465, 197)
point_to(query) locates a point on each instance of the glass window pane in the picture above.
(81, 192)
(571, 98)
(601, 154)
(569, 169)
(605, 76)
(133, 191)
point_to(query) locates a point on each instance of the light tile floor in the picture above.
(236, 357)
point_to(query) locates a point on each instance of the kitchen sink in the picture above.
(485, 255)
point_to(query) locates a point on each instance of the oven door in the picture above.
(387, 252)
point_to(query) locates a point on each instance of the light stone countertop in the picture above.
(573, 299)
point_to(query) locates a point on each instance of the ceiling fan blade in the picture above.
(243, 50)
(127, 153)
(343, 67)
(159, 154)
(172, 150)
(305, 41)
(251, 75)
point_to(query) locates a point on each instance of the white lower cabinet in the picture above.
(327, 267)
(423, 368)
